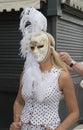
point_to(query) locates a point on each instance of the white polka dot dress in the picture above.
(46, 111)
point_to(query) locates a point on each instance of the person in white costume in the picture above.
(43, 81)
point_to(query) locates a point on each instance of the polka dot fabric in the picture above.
(32, 127)
(46, 112)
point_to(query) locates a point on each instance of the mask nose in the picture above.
(35, 49)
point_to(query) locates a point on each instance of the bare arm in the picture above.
(18, 106)
(19, 103)
(77, 68)
(17, 109)
(66, 85)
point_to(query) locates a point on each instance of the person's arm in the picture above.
(66, 85)
(76, 67)
(17, 109)
(18, 106)
(19, 103)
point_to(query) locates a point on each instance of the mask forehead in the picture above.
(39, 39)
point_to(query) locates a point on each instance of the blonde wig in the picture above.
(56, 60)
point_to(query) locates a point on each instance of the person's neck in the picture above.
(46, 66)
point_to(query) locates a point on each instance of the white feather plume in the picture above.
(32, 22)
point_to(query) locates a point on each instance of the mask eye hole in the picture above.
(32, 48)
(40, 46)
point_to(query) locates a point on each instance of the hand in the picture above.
(65, 57)
(15, 126)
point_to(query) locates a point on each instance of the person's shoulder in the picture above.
(21, 75)
(22, 72)
(64, 78)
(64, 75)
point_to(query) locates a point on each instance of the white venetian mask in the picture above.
(39, 46)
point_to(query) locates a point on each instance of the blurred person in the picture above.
(73, 66)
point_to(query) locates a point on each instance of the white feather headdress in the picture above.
(32, 22)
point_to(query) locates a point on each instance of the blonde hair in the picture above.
(56, 60)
